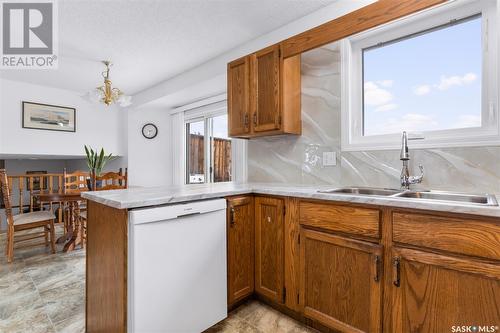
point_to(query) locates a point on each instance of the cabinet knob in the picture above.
(268, 219)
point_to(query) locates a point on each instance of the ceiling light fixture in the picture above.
(107, 94)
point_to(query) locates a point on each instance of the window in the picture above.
(432, 75)
(431, 81)
(208, 150)
(195, 152)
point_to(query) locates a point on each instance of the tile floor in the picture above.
(256, 317)
(41, 292)
(44, 293)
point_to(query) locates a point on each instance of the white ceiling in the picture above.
(151, 41)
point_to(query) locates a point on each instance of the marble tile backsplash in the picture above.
(299, 159)
(453, 169)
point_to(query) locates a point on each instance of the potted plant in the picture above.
(96, 162)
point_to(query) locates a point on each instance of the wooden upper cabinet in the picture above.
(240, 245)
(272, 101)
(238, 96)
(266, 78)
(269, 260)
(433, 293)
(340, 281)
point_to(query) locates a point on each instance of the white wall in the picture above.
(149, 161)
(81, 164)
(96, 125)
(19, 167)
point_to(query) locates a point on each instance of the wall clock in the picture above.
(149, 131)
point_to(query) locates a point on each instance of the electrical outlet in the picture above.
(329, 158)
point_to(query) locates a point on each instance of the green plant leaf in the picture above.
(89, 161)
(96, 160)
(99, 162)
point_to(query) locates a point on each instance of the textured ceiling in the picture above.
(151, 41)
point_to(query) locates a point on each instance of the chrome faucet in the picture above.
(406, 179)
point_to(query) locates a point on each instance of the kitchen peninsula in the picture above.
(388, 250)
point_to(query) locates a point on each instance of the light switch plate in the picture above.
(329, 158)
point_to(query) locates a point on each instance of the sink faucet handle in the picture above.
(421, 167)
(417, 179)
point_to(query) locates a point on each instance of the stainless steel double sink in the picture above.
(432, 196)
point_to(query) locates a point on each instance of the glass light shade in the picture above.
(124, 100)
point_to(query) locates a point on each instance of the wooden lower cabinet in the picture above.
(240, 254)
(340, 282)
(336, 279)
(269, 262)
(435, 293)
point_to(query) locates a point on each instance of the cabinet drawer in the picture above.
(469, 236)
(345, 219)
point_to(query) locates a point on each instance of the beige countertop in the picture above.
(139, 197)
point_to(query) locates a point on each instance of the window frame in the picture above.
(206, 171)
(352, 138)
(205, 116)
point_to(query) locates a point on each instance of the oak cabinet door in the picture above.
(434, 293)
(340, 283)
(240, 254)
(266, 92)
(238, 99)
(269, 262)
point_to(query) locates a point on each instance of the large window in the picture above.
(431, 81)
(433, 75)
(208, 150)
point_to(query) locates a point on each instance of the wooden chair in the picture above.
(107, 181)
(112, 180)
(76, 180)
(32, 220)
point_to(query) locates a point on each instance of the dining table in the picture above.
(70, 199)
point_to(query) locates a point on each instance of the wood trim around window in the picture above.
(370, 16)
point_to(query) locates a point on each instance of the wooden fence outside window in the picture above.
(221, 149)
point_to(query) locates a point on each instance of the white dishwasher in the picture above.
(177, 267)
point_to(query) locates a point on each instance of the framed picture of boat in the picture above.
(49, 117)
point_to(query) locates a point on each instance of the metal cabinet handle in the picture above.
(269, 219)
(231, 217)
(246, 119)
(376, 261)
(396, 270)
(255, 119)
